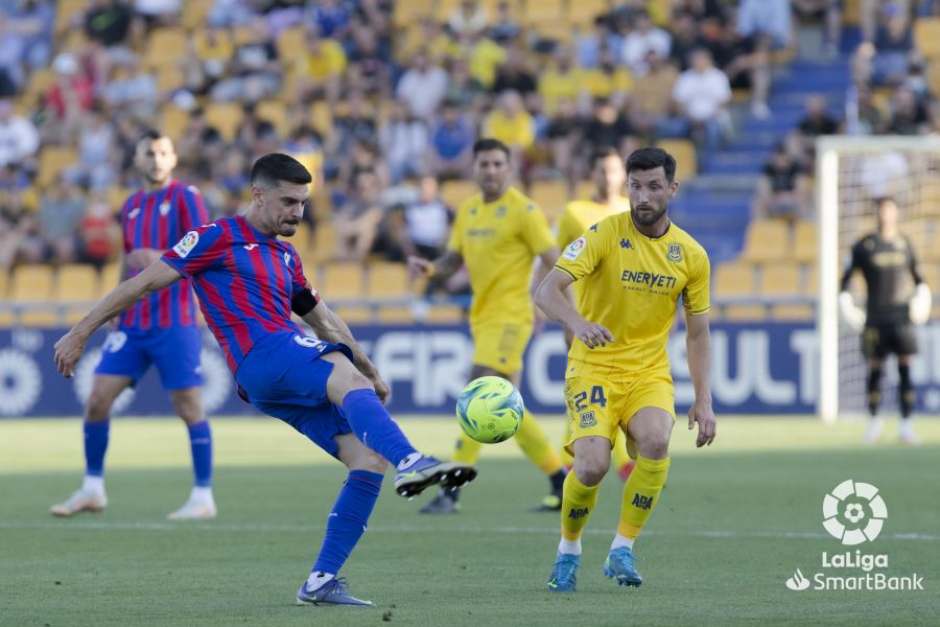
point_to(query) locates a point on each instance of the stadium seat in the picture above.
(343, 280)
(52, 160)
(274, 112)
(291, 43)
(169, 78)
(551, 197)
(735, 278)
(387, 280)
(454, 193)
(927, 36)
(805, 246)
(174, 121)
(445, 314)
(66, 10)
(4, 285)
(217, 48)
(408, 13)
(396, 315)
(583, 12)
(76, 282)
(194, 14)
(542, 11)
(354, 314)
(226, 117)
(166, 46)
(767, 240)
(110, 277)
(321, 118)
(792, 311)
(34, 284)
(324, 242)
(684, 152)
(781, 279)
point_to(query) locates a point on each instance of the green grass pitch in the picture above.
(734, 523)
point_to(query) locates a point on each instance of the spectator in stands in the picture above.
(826, 12)
(643, 39)
(422, 87)
(356, 124)
(563, 134)
(156, 10)
(893, 45)
(404, 140)
(514, 75)
(560, 82)
(817, 120)
(908, 116)
(368, 61)
(510, 123)
(356, 221)
(782, 189)
(365, 156)
(331, 17)
(468, 19)
(607, 127)
(602, 37)
(864, 116)
(873, 12)
(685, 39)
(452, 141)
(70, 95)
(108, 22)
(226, 13)
(254, 73)
(744, 60)
(326, 62)
(505, 27)
(19, 139)
(98, 234)
(607, 81)
(418, 226)
(652, 96)
(232, 178)
(26, 43)
(768, 18)
(96, 168)
(702, 94)
(464, 88)
(61, 209)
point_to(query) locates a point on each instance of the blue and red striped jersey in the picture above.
(245, 281)
(157, 220)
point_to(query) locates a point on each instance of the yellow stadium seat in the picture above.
(684, 152)
(34, 284)
(292, 43)
(174, 121)
(781, 279)
(445, 314)
(541, 11)
(354, 315)
(217, 47)
(851, 12)
(551, 197)
(226, 117)
(927, 36)
(407, 13)
(40, 82)
(558, 30)
(324, 242)
(76, 282)
(74, 314)
(166, 46)
(767, 240)
(66, 10)
(52, 160)
(794, 311)
(744, 312)
(806, 244)
(169, 78)
(735, 278)
(321, 118)
(194, 14)
(583, 12)
(4, 285)
(274, 112)
(443, 8)
(388, 280)
(454, 193)
(931, 274)
(343, 280)
(396, 315)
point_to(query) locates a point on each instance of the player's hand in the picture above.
(701, 412)
(382, 390)
(68, 350)
(593, 335)
(418, 267)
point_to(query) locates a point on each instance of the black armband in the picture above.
(304, 301)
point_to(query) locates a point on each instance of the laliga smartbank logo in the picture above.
(854, 513)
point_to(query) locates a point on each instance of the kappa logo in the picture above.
(593, 228)
(287, 259)
(133, 213)
(164, 208)
(250, 246)
(674, 253)
(588, 419)
(625, 244)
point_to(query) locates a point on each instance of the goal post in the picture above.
(851, 172)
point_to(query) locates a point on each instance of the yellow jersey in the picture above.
(498, 242)
(631, 284)
(575, 220)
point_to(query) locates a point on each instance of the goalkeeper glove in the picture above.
(919, 308)
(851, 313)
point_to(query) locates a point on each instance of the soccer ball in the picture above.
(490, 409)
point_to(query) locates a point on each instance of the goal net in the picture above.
(851, 172)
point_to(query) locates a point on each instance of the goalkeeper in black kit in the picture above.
(886, 260)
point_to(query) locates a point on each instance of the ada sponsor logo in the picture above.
(186, 245)
(642, 502)
(573, 251)
(578, 512)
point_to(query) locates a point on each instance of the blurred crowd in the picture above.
(383, 102)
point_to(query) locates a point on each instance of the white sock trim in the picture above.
(203, 495)
(571, 547)
(93, 484)
(621, 541)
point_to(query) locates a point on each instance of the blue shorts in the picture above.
(284, 376)
(174, 351)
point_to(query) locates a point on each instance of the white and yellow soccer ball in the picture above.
(490, 409)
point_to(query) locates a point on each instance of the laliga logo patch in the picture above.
(574, 249)
(186, 245)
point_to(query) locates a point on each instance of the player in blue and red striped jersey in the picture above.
(248, 283)
(160, 330)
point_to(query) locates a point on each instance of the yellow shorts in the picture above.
(599, 403)
(500, 345)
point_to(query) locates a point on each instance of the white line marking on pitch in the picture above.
(715, 534)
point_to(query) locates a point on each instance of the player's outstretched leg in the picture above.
(345, 525)
(348, 389)
(201, 504)
(591, 461)
(91, 497)
(650, 429)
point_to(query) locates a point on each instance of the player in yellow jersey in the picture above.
(498, 234)
(634, 267)
(609, 176)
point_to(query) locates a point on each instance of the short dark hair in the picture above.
(651, 158)
(880, 200)
(602, 153)
(485, 144)
(150, 134)
(275, 167)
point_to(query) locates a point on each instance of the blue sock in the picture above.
(374, 427)
(347, 522)
(96, 443)
(200, 443)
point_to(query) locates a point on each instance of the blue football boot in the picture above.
(564, 573)
(426, 471)
(333, 592)
(619, 566)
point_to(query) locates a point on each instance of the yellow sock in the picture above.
(640, 494)
(467, 451)
(577, 503)
(566, 458)
(618, 454)
(531, 439)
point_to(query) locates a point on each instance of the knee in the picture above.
(99, 406)
(371, 462)
(654, 446)
(590, 469)
(188, 407)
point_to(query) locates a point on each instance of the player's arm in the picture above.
(544, 263)
(444, 266)
(69, 348)
(330, 327)
(551, 297)
(698, 349)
